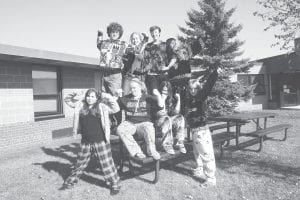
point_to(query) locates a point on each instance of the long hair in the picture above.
(169, 100)
(94, 110)
(169, 50)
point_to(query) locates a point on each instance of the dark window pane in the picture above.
(243, 79)
(44, 82)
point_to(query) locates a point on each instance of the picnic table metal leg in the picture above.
(121, 161)
(228, 131)
(265, 122)
(257, 124)
(237, 134)
(156, 171)
(188, 132)
(285, 134)
(261, 140)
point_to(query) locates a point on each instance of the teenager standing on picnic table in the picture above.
(155, 60)
(91, 120)
(197, 117)
(138, 121)
(133, 60)
(111, 64)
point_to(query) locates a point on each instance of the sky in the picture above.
(70, 26)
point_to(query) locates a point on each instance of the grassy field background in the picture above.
(274, 173)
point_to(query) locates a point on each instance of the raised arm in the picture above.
(76, 125)
(110, 103)
(208, 85)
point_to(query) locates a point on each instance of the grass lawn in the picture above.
(274, 173)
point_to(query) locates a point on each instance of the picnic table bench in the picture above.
(259, 134)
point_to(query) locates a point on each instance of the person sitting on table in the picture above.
(196, 118)
(169, 120)
(138, 120)
(90, 120)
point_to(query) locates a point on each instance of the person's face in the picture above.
(135, 40)
(135, 89)
(193, 89)
(164, 91)
(173, 44)
(114, 35)
(155, 34)
(91, 98)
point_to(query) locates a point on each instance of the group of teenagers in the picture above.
(136, 84)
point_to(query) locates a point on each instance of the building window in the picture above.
(253, 79)
(46, 92)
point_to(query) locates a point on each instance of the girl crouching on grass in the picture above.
(91, 120)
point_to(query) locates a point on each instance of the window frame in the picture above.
(250, 82)
(38, 116)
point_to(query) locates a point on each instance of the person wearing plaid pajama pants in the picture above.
(92, 121)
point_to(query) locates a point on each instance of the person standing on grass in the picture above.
(91, 120)
(168, 119)
(137, 120)
(197, 118)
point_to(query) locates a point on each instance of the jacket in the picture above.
(106, 108)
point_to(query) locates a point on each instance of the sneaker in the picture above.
(140, 155)
(181, 147)
(169, 149)
(115, 188)
(198, 173)
(67, 186)
(155, 155)
(208, 183)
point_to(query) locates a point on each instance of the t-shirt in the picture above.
(137, 110)
(155, 57)
(91, 129)
(111, 54)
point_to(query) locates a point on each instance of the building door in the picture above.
(289, 88)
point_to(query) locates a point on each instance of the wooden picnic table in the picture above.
(241, 118)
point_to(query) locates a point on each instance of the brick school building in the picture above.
(33, 84)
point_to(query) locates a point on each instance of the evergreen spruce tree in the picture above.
(214, 43)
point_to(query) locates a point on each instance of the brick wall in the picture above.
(16, 95)
(17, 126)
(20, 135)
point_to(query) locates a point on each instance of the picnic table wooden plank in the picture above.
(243, 116)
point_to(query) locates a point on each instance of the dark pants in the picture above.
(154, 81)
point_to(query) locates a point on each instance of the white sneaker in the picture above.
(155, 155)
(198, 173)
(181, 147)
(169, 149)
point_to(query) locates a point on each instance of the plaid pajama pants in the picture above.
(103, 153)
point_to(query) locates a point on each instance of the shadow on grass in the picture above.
(259, 167)
(69, 153)
(249, 163)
